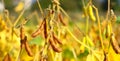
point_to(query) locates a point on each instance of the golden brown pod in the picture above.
(7, 58)
(22, 33)
(54, 47)
(22, 45)
(115, 44)
(105, 57)
(23, 40)
(38, 31)
(22, 37)
(45, 29)
(57, 40)
(28, 50)
(61, 19)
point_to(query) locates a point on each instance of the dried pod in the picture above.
(23, 41)
(115, 44)
(7, 58)
(22, 45)
(22, 37)
(45, 28)
(38, 31)
(105, 57)
(22, 34)
(54, 47)
(90, 13)
(52, 12)
(57, 40)
(61, 19)
(28, 50)
(113, 17)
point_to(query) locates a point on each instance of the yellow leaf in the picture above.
(82, 48)
(112, 56)
(89, 41)
(91, 57)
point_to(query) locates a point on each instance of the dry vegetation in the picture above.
(54, 36)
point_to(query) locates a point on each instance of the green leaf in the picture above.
(67, 53)
(38, 41)
(118, 20)
(84, 54)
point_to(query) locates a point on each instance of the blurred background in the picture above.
(73, 7)
(68, 5)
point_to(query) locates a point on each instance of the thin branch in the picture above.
(99, 26)
(19, 17)
(108, 11)
(40, 8)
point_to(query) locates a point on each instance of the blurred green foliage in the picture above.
(68, 5)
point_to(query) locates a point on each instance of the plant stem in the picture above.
(40, 8)
(7, 18)
(19, 17)
(78, 40)
(74, 54)
(82, 44)
(64, 12)
(87, 24)
(83, 3)
(99, 26)
(108, 11)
